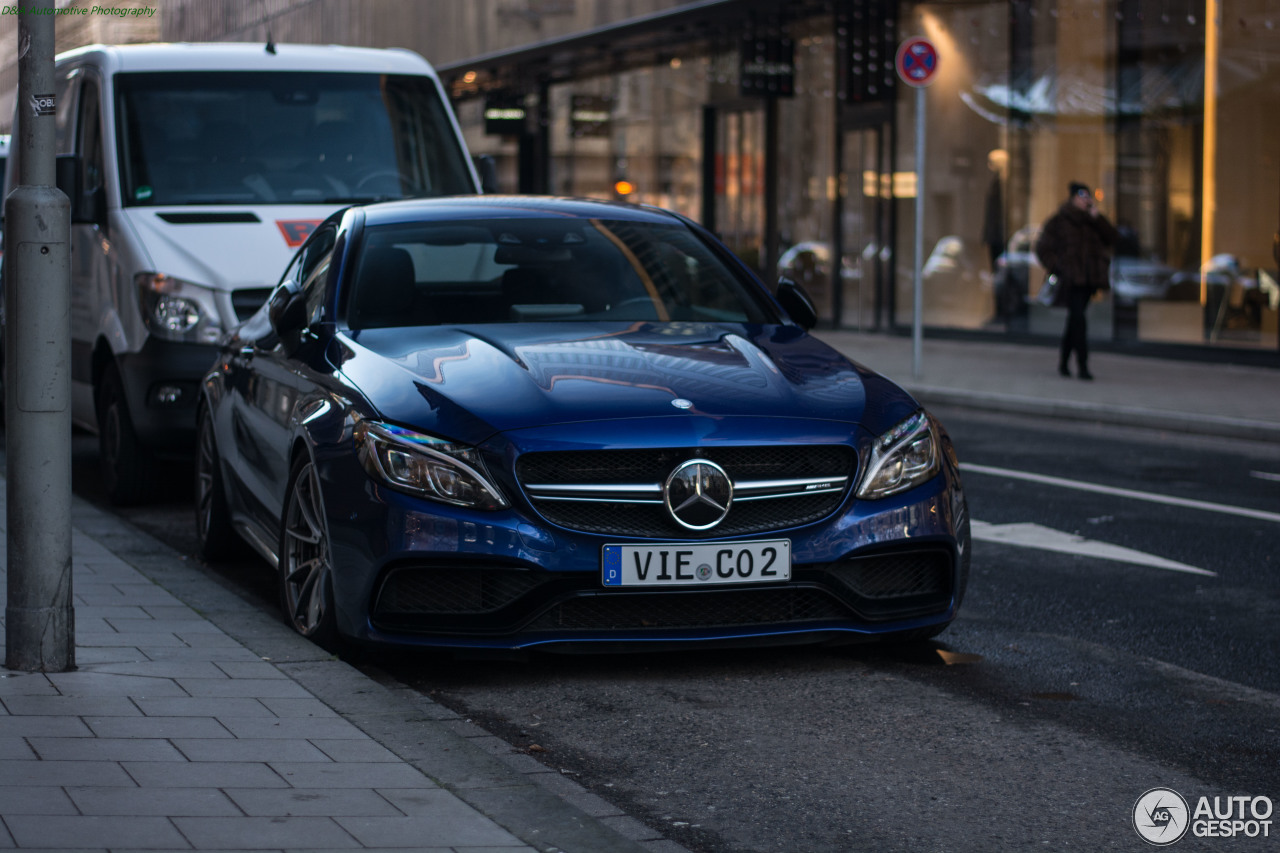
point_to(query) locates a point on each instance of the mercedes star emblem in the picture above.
(698, 494)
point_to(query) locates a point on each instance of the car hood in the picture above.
(468, 383)
(226, 248)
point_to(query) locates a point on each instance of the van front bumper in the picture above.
(162, 385)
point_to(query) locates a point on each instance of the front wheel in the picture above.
(126, 465)
(214, 531)
(306, 568)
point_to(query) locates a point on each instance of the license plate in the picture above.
(697, 564)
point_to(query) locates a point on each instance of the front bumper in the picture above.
(410, 572)
(162, 385)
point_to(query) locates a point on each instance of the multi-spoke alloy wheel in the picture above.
(306, 587)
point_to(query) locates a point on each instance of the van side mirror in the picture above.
(796, 302)
(287, 310)
(487, 169)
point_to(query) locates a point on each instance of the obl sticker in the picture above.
(44, 105)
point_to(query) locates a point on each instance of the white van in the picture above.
(198, 171)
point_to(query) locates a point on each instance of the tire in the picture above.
(2, 391)
(214, 531)
(306, 564)
(126, 465)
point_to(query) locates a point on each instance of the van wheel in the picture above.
(306, 567)
(214, 531)
(126, 467)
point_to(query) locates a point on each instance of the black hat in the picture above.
(1077, 188)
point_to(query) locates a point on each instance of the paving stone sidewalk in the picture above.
(195, 721)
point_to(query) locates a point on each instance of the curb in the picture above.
(500, 783)
(1135, 416)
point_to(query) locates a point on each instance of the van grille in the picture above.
(246, 302)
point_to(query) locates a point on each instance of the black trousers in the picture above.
(1075, 337)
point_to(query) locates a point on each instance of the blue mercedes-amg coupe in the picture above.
(515, 422)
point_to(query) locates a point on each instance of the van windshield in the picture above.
(191, 138)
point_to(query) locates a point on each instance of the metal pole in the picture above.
(39, 618)
(917, 316)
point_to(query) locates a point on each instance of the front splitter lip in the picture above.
(606, 642)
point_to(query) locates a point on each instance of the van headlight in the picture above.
(426, 466)
(178, 310)
(901, 459)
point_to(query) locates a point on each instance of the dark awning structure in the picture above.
(645, 41)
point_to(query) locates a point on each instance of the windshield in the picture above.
(545, 270)
(284, 138)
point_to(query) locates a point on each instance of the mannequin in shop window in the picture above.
(993, 211)
(993, 229)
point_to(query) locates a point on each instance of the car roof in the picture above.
(509, 207)
(231, 56)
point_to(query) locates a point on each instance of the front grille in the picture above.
(246, 302)
(647, 470)
(603, 466)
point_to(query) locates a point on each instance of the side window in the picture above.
(66, 89)
(313, 271)
(292, 272)
(93, 161)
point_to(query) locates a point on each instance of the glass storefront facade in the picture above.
(1169, 110)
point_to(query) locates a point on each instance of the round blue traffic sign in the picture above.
(917, 61)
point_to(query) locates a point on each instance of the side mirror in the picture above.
(487, 169)
(287, 310)
(796, 302)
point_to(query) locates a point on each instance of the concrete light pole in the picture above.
(39, 619)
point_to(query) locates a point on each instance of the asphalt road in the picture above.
(1069, 685)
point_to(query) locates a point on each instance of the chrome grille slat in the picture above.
(615, 492)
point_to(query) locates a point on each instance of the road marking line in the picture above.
(1030, 535)
(1263, 475)
(1226, 509)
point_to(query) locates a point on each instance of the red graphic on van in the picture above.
(296, 231)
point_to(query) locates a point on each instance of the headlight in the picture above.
(902, 458)
(178, 310)
(426, 466)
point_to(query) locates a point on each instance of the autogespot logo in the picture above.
(1160, 816)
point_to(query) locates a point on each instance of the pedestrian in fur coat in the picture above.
(1075, 245)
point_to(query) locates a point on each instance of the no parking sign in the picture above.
(917, 61)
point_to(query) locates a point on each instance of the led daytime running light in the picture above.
(901, 459)
(427, 466)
